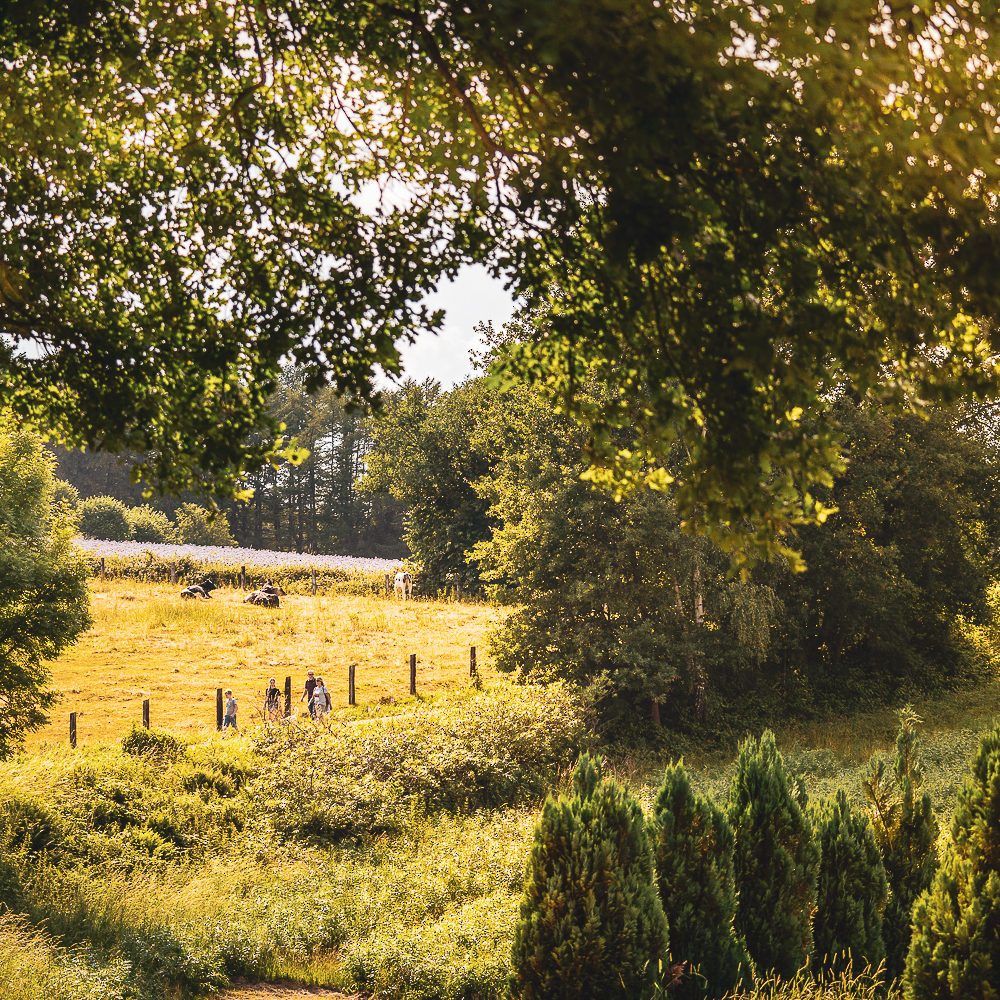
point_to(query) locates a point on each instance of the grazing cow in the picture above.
(403, 585)
(203, 589)
(266, 597)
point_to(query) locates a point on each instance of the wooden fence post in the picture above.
(103, 571)
(314, 582)
(413, 673)
(351, 695)
(472, 662)
(145, 713)
(72, 729)
(173, 574)
(388, 585)
(243, 578)
(218, 709)
(288, 697)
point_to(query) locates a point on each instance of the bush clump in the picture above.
(156, 743)
(851, 891)
(955, 947)
(489, 749)
(104, 517)
(693, 847)
(591, 920)
(776, 859)
(199, 526)
(146, 524)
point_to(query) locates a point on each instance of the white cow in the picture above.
(403, 585)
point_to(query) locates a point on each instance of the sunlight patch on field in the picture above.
(148, 643)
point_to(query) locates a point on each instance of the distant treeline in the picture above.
(315, 506)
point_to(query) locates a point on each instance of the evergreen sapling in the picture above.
(591, 921)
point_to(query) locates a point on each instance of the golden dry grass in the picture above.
(147, 643)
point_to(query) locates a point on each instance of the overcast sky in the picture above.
(472, 298)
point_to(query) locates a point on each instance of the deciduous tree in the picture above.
(43, 597)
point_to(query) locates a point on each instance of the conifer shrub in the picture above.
(776, 859)
(906, 833)
(693, 850)
(591, 920)
(955, 947)
(851, 892)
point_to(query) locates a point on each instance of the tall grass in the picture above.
(32, 967)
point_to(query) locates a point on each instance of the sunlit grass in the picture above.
(148, 643)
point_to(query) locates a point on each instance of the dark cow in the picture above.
(203, 589)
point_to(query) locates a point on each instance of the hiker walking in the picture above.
(321, 703)
(307, 691)
(229, 719)
(272, 701)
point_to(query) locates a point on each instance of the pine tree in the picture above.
(591, 921)
(776, 859)
(905, 832)
(851, 892)
(693, 848)
(955, 948)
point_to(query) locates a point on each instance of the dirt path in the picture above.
(275, 991)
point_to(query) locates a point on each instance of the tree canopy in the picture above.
(723, 211)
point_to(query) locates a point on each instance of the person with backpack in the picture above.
(321, 702)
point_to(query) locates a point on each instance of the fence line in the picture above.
(352, 698)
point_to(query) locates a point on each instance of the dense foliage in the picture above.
(693, 853)
(851, 891)
(43, 595)
(812, 209)
(614, 592)
(487, 749)
(906, 833)
(776, 859)
(146, 524)
(151, 866)
(105, 517)
(195, 525)
(429, 455)
(955, 949)
(591, 921)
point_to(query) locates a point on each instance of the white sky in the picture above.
(473, 297)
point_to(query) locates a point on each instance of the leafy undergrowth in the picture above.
(386, 856)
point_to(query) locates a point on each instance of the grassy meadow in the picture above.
(381, 856)
(148, 643)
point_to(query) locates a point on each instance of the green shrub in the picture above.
(693, 848)
(851, 892)
(955, 947)
(31, 827)
(481, 750)
(104, 517)
(146, 524)
(906, 833)
(155, 743)
(591, 920)
(200, 526)
(66, 496)
(776, 859)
